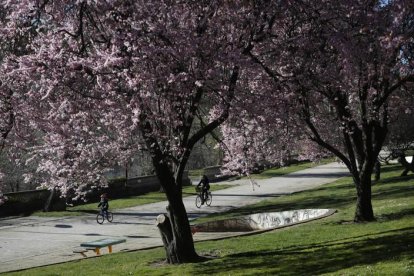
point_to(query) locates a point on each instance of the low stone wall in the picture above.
(24, 202)
(149, 183)
(214, 174)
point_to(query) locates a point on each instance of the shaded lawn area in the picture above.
(121, 203)
(329, 246)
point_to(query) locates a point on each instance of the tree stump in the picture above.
(163, 223)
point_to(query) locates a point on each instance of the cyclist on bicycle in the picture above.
(205, 187)
(104, 205)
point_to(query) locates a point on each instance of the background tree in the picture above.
(399, 142)
(338, 64)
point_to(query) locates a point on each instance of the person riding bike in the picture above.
(205, 187)
(104, 205)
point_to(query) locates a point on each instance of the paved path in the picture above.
(34, 241)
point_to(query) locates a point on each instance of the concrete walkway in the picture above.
(34, 241)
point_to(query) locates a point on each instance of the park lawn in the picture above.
(195, 174)
(274, 172)
(121, 203)
(330, 246)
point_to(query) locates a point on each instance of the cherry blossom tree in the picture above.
(106, 79)
(341, 65)
(258, 133)
(12, 130)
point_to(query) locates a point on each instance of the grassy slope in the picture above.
(289, 169)
(334, 245)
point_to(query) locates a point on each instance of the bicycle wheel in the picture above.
(209, 199)
(100, 218)
(110, 217)
(198, 202)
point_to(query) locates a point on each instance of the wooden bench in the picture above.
(97, 245)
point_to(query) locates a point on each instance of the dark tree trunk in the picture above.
(49, 200)
(126, 175)
(178, 244)
(174, 227)
(54, 202)
(407, 166)
(364, 211)
(405, 172)
(362, 179)
(377, 170)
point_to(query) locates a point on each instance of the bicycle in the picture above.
(100, 217)
(199, 198)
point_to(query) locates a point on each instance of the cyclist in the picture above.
(205, 187)
(104, 205)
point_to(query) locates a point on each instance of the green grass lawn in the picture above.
(195, 174)
(274, 172)
(329, 246)
(122, 202)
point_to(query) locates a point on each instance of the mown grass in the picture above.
(274, 172)
(195, 174)
(121, 203)
(331, 246)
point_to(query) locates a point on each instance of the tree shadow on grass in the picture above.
(396, 215)
(391, 168)
(394, 193)
(315, 259)
(395, 179)
(331, 189)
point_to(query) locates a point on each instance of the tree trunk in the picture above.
(54, 202)
(164, 226)
(364, 211)
(176, 236)
(174, 227)
(126, 176)
(48, 203)
(405, 172)
(407, 166)
(377, 170)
